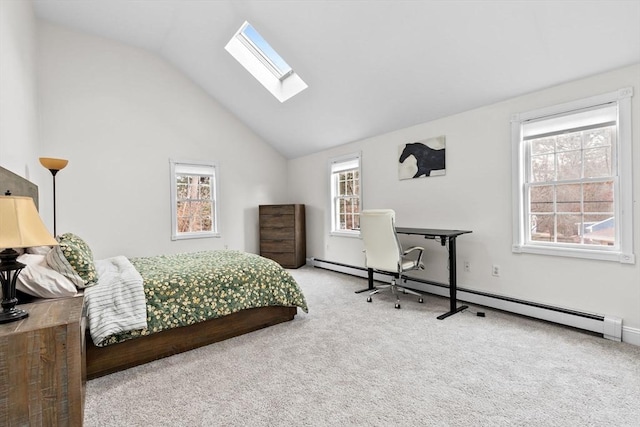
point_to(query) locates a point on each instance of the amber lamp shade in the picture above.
(20, 227)
(53, 164)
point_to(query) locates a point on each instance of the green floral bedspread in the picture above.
(188, 288)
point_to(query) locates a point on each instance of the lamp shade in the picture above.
(53, 164)
(20, 224)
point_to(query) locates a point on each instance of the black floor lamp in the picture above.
(54, 165)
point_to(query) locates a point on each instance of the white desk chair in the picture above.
(383, 251)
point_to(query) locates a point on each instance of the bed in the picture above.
(189, 300)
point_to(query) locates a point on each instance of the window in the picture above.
(572, 179)
(193, 200)
(345, 195)
(257, 56)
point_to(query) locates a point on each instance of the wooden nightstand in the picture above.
(42, 365)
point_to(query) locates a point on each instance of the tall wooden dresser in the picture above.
(282, 234)
(42, 365)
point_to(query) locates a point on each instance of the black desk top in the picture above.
(431, 232)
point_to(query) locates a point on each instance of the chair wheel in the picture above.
(368, 299)
(397, 306)
(420, 300)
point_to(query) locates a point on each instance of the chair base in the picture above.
(395, 289)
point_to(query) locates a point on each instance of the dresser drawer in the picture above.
(276, 209)
(277, 233)
(287, 260)
(276, 221)
(277, 246)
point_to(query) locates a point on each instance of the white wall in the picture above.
(475, 194)
(18, 117)
(119, 114)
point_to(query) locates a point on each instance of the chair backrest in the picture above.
(381, 245)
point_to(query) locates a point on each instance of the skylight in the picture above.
(263, 51)
(257, 56)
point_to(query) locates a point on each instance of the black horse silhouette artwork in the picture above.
(427, 159)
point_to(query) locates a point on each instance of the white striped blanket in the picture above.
(117, 302)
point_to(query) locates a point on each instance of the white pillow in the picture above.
(38, 250)
(40, 280)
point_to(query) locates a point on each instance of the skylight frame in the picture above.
(265, 72)
(263, 51)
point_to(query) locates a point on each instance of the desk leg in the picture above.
(370, 277)
(453, 282)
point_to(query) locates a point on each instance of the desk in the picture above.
(445, 236)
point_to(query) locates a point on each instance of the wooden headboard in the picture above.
(17, 185)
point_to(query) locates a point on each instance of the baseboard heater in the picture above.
(610, 327)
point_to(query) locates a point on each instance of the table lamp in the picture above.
(20, 227)
(54, 165)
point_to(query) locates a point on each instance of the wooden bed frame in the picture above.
(116, 357)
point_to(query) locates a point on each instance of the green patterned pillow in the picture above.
(73, 258)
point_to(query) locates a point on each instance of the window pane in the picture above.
(599, 230)
(569, 165)
(568, 198)
(543, 145)
(205, 192)
(568, 228)
(570, 141)
(543, 168)
(182, 191)
(542, 228)
(597, 162)
(598, 197)
(541, 198)
(598, 137)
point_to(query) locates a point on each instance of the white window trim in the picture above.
(344, 233)
(174, 220)
(624, 196)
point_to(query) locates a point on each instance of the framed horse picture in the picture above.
(423, 158)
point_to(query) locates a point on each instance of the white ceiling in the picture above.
(372, 66)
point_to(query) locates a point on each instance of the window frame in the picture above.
(335, 231)
(210, 169)
(622, 178)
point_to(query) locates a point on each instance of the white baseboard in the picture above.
(609, 326)
(631, 335)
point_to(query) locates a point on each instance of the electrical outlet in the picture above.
(495, 270)
(467, 266)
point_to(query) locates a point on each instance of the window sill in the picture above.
(185, 236)
(617, 256)
(345, 234)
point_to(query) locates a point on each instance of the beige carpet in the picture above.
(348, 362)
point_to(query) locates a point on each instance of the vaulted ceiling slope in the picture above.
(372, 66)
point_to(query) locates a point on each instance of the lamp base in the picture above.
(12, 315)
(9, 270)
